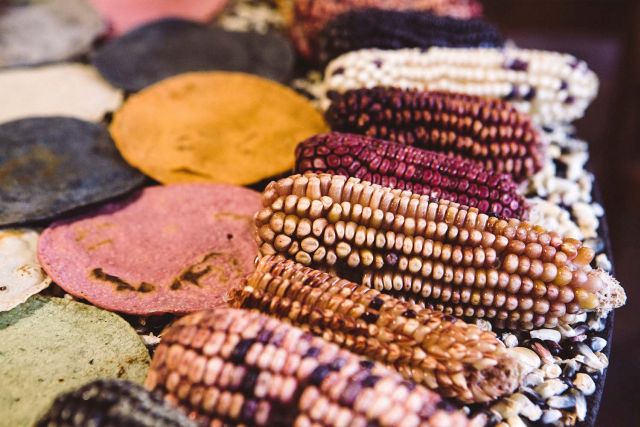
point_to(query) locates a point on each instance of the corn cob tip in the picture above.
(611, 294)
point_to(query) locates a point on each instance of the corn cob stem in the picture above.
(244, 367)
(550, 86)
(395, 29)
(489, 132)
(465, 263)
(452, 357)
(407, 168)
(310, 16)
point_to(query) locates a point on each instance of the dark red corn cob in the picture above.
(488, 131)
(409, 168)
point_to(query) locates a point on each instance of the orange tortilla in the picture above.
(220, 127)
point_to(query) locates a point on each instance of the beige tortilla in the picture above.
(20, 272)
(72, 90)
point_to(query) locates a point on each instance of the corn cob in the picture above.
(112, 403)
(244, 367)
(550, 86)
(487, 131)
(456, 359)
(407, 168)
(310, 16)
(396, 29)
(460, 261)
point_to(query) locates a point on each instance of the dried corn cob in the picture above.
(310, 16)
(487, 131)
(515, 274)
(455, 358)
(243, 366)
(550, 86)
(407, 168)
(396, 29)
(112, 403)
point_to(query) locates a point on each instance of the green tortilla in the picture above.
(52, 345)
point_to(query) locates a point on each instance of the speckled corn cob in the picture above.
(439, 351)
(460, 261)
(112, 403)
(396, 29)
(244, 367)
(551, 87)
(490, 132)
(408, 168)
(310, 16)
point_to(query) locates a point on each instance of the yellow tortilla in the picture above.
(214, 127)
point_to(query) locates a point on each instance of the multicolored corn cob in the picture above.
(487, 131)
(244, 367)
(112, 403)
(408, 168)
(396, 29)
(454, 358)
(460, 261)
(551, 87)
(310, 16)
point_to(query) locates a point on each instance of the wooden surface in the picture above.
(605, 33)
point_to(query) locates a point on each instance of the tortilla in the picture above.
(73, 90)
(125, 15)
(158, 50)
(47, 31)
(20, 272)
(214, 127)
(51, 345)
(171, 249)
(49, 166)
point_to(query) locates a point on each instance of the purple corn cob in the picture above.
(488, 131)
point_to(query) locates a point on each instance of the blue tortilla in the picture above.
(49, 166)
(172, 46)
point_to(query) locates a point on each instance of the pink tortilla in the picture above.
(124, 15)
(168, 249)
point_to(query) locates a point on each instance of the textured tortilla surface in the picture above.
(166, 249)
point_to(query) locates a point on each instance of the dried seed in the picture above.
(552, 387)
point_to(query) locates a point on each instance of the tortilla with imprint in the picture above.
(20, 272)
(214, 127)
(166, 249)
(51, 345)
(51, 165)
(44, 31)
(71, 90)
(157, 50)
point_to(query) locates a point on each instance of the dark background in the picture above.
(606, 34)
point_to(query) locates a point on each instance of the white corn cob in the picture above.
(552, 87)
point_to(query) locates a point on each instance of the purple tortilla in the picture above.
(168, 249)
